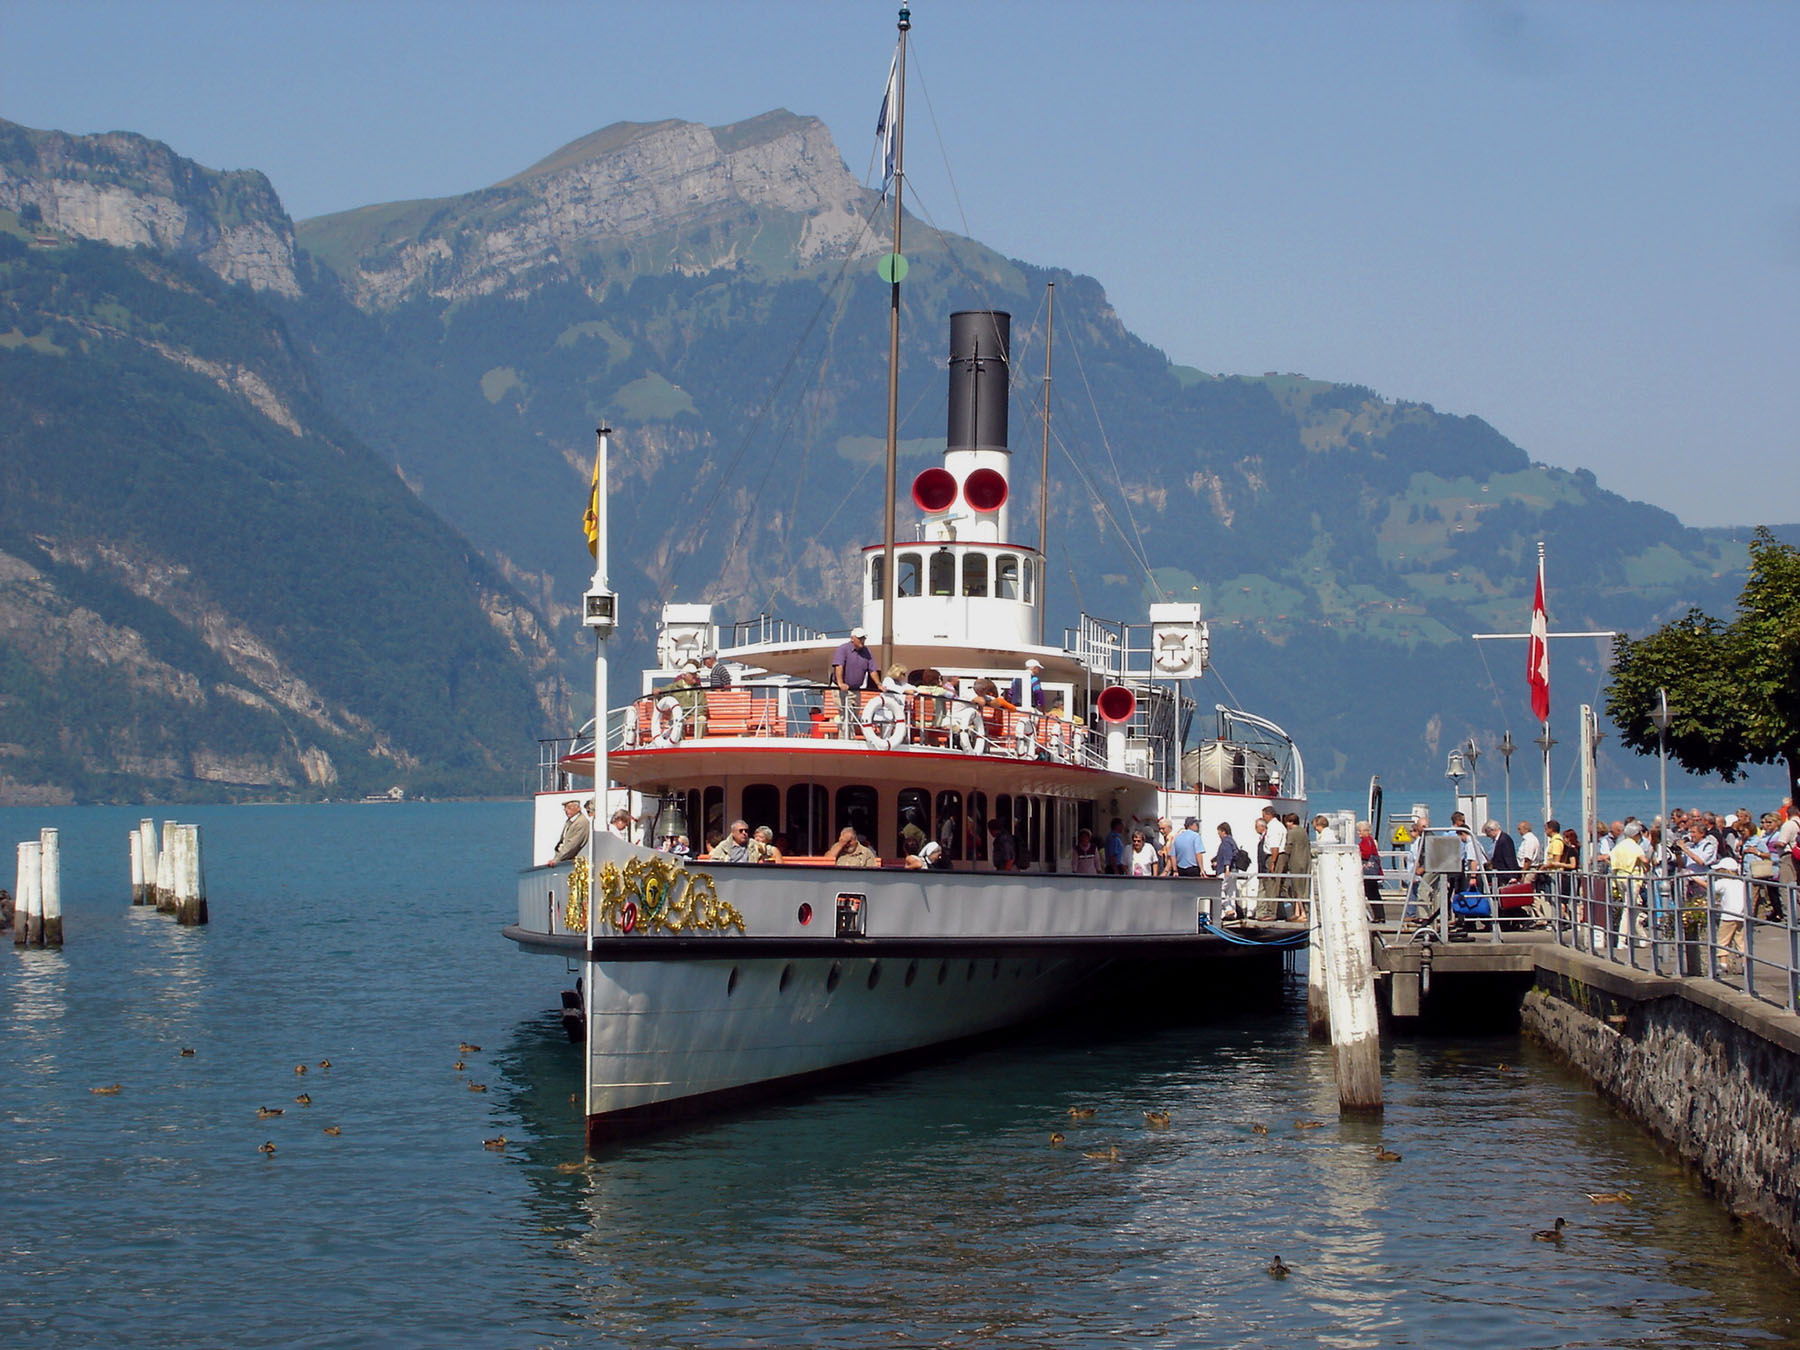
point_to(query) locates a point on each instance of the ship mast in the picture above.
(895, 268)
(1044, 464)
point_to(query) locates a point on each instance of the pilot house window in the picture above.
(1006, 577)
(975, 574)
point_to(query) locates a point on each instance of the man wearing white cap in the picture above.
(1015, 693)
(852, 668)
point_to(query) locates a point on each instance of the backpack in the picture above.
(1240, 861)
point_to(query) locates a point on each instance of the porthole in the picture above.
(804, 915)
(832, 977)
(874, 973)
(912, 973)
(787, 973)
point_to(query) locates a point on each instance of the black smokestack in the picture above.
(980, 346)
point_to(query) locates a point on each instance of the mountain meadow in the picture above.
(293, 510)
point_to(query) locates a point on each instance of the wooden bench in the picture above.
(728, 712)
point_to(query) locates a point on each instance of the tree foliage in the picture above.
(1734, 688)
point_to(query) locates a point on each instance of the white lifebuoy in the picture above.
(884, 722)
(628, 736)
(1175, 651)
(1025, 727)
(665, 724)
(971, 731)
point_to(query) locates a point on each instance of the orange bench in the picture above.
(728, 712)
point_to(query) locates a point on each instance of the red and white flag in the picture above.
(1537, 653)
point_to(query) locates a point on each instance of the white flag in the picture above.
(885, 124)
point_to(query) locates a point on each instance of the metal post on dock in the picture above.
(50, 885)
(1342, 923)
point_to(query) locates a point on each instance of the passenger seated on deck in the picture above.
(849, 851)
(734, 847)
(762, 846)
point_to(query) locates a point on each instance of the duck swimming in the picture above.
(1104, 1155)
(466, 1049)
(187, 1052)
(1309, 1124)
(299, 1068)
(305, 1099)
(106, 1091)
(267, 1148)
(1609, 1197)
(496, 1143)
(333, 1129)
(477, 1087)
(1082, 1112)
(1259, 1128)
(1551, 1234)
(1056, 1138)
(324, 1064)
(1157, 1120)
(266, 1112)
(1278, 1270)
(1386, 1155)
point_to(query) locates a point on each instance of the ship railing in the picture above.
(930, 718)
(1714, 925)
(766, 630)
(554, 750)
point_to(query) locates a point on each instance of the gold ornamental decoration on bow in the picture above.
(575, 912)
(649, 895)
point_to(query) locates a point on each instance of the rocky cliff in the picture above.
(127, 190)
(770, 194)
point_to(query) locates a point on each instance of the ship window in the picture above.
(1006, 576)
(1028, 828)
(908, 573)
(857, 808)
(978, 826)
(915, 820)
(713, 799)
(762, 806)
(975, 574)
(943, 572)
(949, 825)
(1028, 570)
(806, 822)
(877, 570)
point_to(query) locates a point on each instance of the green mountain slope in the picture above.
(207, 587)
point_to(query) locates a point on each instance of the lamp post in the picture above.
(1473, 755)
(1662, 718)
(1506, 748)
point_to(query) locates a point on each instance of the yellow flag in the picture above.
(590, 522)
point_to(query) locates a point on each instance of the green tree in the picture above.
(1734, 688)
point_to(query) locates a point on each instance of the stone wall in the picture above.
(1710, 1072)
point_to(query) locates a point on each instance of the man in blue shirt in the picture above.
(1185, 848)
(1115, 849)
(853, 668)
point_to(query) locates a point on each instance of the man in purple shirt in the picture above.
(853, 668)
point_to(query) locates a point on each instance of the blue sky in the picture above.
(1578, 221)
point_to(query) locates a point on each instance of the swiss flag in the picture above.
(1537, 653)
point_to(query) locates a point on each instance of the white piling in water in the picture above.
(190, 877)
(1343, 928)
(28, 921)
(165, 870)
(1318, 1007)
(50, 885)
(134, 849)
(148, 850)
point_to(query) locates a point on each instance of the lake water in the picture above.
(926, 1209)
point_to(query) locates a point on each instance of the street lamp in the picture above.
(1662, 717)
(1544, 742)
(1506, 748)
(1473, 755)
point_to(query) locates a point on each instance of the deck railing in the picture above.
(784, 710)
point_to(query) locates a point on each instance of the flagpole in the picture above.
(600, 614)
(1540, 629)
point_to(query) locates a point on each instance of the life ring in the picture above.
(628, 916)
(628, 737)
(1175, 651)
(666, 721)
(1025, 727)
(971, 731)
(884, 722)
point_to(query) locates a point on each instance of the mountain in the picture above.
(208, 586)
(337, 507)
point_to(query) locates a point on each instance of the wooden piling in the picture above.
(147, 850)
(134, 849)
(165, 870)
(1318, 1006)
(30, 918)
(50, 884)
(1343, 928)
(22, 897)
(190, 886)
